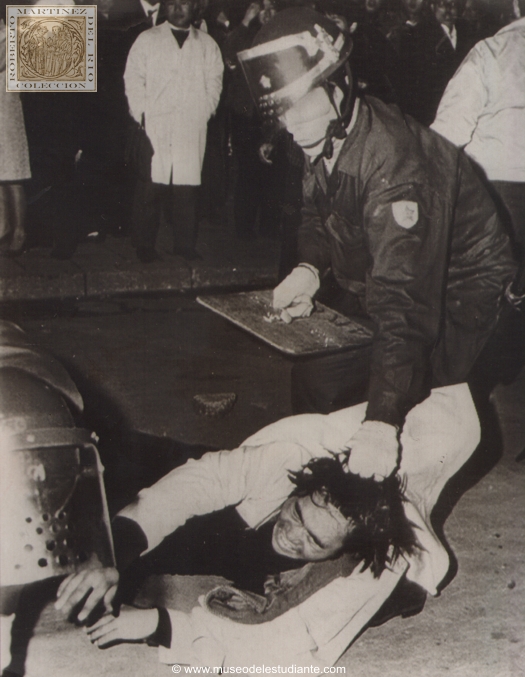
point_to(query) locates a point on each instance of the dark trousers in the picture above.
(510, 197)
(511, 200)
(331, 382)
(256, 191)
(176, 204)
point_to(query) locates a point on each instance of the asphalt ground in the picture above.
(139, 361)
(111, 268)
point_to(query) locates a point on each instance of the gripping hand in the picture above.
(374, 450)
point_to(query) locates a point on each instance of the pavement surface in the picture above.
(143, 358)
(111, 268)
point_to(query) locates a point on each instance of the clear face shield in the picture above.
(282, 71)
(53, 511)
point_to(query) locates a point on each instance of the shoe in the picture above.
(147, 255)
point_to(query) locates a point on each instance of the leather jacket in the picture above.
(405, 223)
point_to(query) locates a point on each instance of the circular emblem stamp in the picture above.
(52, 48)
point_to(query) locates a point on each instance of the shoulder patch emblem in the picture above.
(405, 213)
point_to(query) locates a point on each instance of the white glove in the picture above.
(294, 295)
(374, 450)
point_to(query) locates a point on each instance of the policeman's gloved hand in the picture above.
(374, 450)
(293, 296)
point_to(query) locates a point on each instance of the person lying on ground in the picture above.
(261, 509)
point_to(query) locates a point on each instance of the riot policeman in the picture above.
(400, 221)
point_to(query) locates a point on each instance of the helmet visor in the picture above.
(282, 71)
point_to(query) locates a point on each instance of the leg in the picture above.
(67, 219)
(145, 220)
(512, 209)
(510, 197)
(181, 212)
(12, 214)
(5, 230)
(18, 212)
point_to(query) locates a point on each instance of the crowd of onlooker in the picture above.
(79, 185)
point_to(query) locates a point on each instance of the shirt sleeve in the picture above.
(135, 79)
(214, 72)
(314, 246)
(253, 478)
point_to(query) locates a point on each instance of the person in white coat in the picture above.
(439, 435)
(483, 112)
(173, 81)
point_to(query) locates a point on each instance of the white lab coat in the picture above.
(483, 107)
(178, 90)
(439, 435)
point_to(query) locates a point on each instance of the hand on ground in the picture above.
(132, 625)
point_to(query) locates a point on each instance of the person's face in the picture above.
(472, 11)
(308, 120)
(446, 12)
(180, 12)
(309, 529)
(267, 12)
(372, 6)
(413, 7)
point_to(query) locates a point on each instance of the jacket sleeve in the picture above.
(213, 74)
(135, 79)
(314, 246)
(406, 230)
(464, 99)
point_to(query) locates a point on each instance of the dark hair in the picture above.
(381, 530)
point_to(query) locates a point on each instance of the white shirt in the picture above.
(439, 435)
(451, 34)
(151, 10)
(483, 107)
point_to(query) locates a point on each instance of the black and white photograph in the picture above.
(262, 321)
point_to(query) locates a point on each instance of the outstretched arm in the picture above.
(94, 584)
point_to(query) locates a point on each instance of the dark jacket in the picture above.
(405, 223)
(238, 97)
